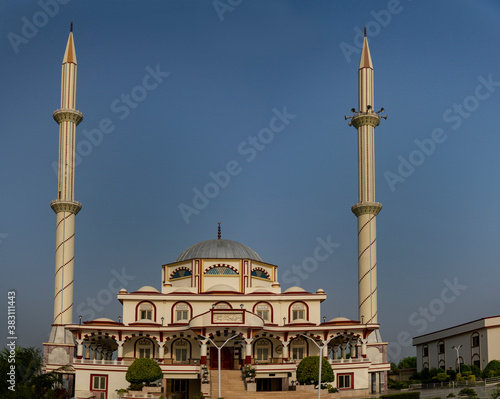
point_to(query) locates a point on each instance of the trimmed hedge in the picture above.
(402, 395)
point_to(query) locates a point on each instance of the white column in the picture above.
(161, 351)
(343, 348)
(120, 350)
(285, 344)
(248, 351)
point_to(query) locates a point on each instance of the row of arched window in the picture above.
(182, 312)
(220, 270)
(181, 349)
(441, 351)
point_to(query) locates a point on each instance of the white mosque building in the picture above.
(217, 291)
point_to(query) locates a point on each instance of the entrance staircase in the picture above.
(233, 387)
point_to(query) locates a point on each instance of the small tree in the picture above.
(308, 369)
(442, 377)
(143, 370)
(492, 369)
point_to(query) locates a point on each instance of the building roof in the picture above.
(219, 249)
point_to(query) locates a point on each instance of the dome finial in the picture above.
(218, 233)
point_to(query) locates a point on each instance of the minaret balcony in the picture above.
(363, 208)
(364, 119)
(68, 115)
(66, 206)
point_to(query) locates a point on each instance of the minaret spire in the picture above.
(365, 120)
(65, 206)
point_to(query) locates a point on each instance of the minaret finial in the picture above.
(71, 28)
(218, 233)
(365, 31)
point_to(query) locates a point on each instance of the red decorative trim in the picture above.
(92, 380)
(222, 265)
(352, 381)
(181, 268)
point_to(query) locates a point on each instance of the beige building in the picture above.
(478, 342)
(216, 294)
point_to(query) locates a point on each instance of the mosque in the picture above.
(220, 305)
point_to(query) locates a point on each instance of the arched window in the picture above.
(263, 350)
(181, 351)
(144, 347)
(425, 351)
(475, 340)
(146, 311)
(260, 273)
(182, 312)
(425, 365)
(476, 360)
(441, 348)
(180, 273)
(298, 348)
(298, 311)
(442, 365)
(221, 270)
(262, 309)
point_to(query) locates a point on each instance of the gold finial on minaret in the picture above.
(218, 234)
(365, 120)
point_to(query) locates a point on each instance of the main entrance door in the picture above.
(227, 358)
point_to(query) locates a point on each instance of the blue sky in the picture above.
(221, 72)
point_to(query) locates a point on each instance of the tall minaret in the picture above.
(365, 120)
(65, 206)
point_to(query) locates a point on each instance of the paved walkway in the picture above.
(482, 392)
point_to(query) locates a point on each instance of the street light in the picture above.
(458, 356)
(218, 354)
(325, 344)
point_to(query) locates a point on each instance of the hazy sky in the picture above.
(176, 95)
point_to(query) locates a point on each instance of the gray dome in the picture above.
(219, 249)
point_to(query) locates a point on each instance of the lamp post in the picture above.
(320, 347)
(458, 356)
(219, 348)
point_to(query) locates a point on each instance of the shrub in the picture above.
(469, 392)
(143, 370)
(492, 369)
(451, 395)
(308, 368)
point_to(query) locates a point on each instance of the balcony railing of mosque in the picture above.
(127, 362)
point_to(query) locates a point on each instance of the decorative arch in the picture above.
(295, 344)
(222, 305)
(261, 273)
(180, 273)
(442, 365)
(177, 346)
(221, 269)
(144, 343)
(441, 348)
(143, 304)
(263, 344)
